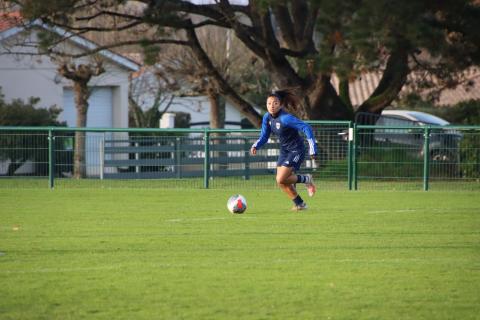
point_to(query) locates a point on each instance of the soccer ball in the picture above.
(237, 204)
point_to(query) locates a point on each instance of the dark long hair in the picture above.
(288, 98)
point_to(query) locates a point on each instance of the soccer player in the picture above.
(292, 148)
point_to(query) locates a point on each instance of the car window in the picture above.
(393, 121)
(429, 119)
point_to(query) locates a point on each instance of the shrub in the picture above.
(22, 146)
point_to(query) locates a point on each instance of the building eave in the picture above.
(77, 40)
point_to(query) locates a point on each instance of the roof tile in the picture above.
(9, 20)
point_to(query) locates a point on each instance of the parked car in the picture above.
(444, 142)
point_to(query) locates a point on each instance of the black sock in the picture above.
(298, 200)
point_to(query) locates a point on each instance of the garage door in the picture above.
(99, 115)
(99, 111)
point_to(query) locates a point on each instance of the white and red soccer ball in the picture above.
(237, 204)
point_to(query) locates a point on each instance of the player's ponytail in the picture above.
(288, 98)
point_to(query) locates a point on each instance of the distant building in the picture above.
(25, 73)
(23, 76)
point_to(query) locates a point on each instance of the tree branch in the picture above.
(94, 29)
(393, 79)
(297, 28)
(110, 14)
(120, 44)
(241, 31)
(344, 92)
(286, 25)
(224, 88)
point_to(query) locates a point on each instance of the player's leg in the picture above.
(288, 163)
(285, 180)
(307, 179)
(295, 159)
(286, 176)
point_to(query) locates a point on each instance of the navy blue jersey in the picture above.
(286, 127)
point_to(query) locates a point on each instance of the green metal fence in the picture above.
(417, 157)
(350, 157)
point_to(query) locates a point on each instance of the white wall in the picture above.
(199, 109)
(25, 76)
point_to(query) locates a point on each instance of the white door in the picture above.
(99, 115)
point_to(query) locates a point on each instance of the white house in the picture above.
(23, 76)
(24, 73)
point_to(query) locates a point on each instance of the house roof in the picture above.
(11, 24)
(9, 20)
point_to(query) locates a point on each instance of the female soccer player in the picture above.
(292, 148)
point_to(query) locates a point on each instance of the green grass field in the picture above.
(178, 254)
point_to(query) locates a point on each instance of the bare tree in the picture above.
(148, 100)
(80, 75)
(183, 74)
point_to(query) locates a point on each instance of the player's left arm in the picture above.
(306, 129)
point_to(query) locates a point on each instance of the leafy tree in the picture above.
(26, 113)
(467, 113)
(18, 146)
(463, 113)
(301, 43)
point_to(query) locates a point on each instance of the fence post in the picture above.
(350, 156)
(206, 163)
(247, 159)
(137, 155)
(177, 155)
(426, 158)
(355, 157)
(102, 156)
(51, 159)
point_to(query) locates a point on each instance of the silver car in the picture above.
(444, 142)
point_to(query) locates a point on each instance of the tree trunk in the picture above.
(326, 104)
(136, 118)
(217, 110)
(217, 121)
(13, 166)
(393, 79)
(80, 76)
(81, 102)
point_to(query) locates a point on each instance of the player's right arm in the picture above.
(264, 135)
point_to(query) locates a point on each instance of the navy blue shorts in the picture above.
(292, 159)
